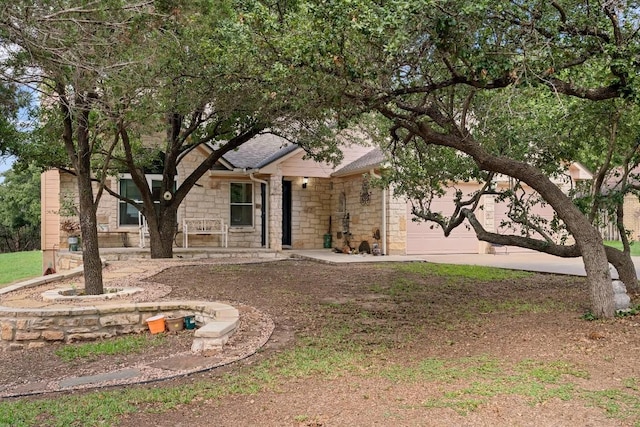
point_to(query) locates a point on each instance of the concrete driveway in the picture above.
(520, 261)
(516, 261)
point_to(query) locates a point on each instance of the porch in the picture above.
(66, 260)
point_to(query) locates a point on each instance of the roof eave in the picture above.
(358, 171)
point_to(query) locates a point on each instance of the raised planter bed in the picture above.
(24, 328)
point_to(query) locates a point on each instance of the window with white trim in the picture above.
(127, 213)
(241, 204)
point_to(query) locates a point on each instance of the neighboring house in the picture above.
(631, 208)
(271, 196)
(631, 220)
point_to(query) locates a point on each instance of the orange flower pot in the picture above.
(156, 324)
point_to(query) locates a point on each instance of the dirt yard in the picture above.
(391, 344)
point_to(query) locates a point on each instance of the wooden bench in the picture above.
(204, 226)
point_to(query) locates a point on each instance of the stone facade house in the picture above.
(271, 196)
(631, 207)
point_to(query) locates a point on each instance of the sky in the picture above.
(24, 123)
(5, 164)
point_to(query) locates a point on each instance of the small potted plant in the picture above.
(72, 229)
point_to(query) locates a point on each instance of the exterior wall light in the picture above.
(305, 181)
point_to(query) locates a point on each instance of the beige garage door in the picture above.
(425, 238)
(501, 211)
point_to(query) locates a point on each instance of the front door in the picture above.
(286, 213)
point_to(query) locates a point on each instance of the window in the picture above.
(241, 202)
(128, 214)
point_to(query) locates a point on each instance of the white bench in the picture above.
(143, 230)
(495, 246)
(204, 226)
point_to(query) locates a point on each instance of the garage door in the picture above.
(427, 238)
(501, 211)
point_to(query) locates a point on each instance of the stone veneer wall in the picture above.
(109, 234)
(364, 219)
(208, 199)
(396, 225)
(32, 328)
(632, 216)
(275, 212)
(310, 210)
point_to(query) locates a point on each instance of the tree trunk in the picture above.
(623, 264)
(80, 157)
(89, 229)
(162, 234)
(598, 275)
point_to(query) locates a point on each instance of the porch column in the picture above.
(487, 217)
(50, 218)
(275, 212)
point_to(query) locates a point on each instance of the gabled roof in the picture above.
(259, 151)
(363, 164)
(612, 181)
(267, 149)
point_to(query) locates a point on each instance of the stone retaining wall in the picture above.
(25, 328)
(68, 260)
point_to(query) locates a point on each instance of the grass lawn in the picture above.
(635, 246)
(19, 265)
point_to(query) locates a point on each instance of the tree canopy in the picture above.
(444, 75)
(20, 210)
(467, 91)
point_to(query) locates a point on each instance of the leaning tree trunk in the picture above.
(587, 237)
(623, 264)
(597, 268)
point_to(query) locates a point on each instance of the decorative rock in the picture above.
(620, 297)
(622, 301)
(216, 329)
(204, 345)
(71, 294)
(618, 287)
